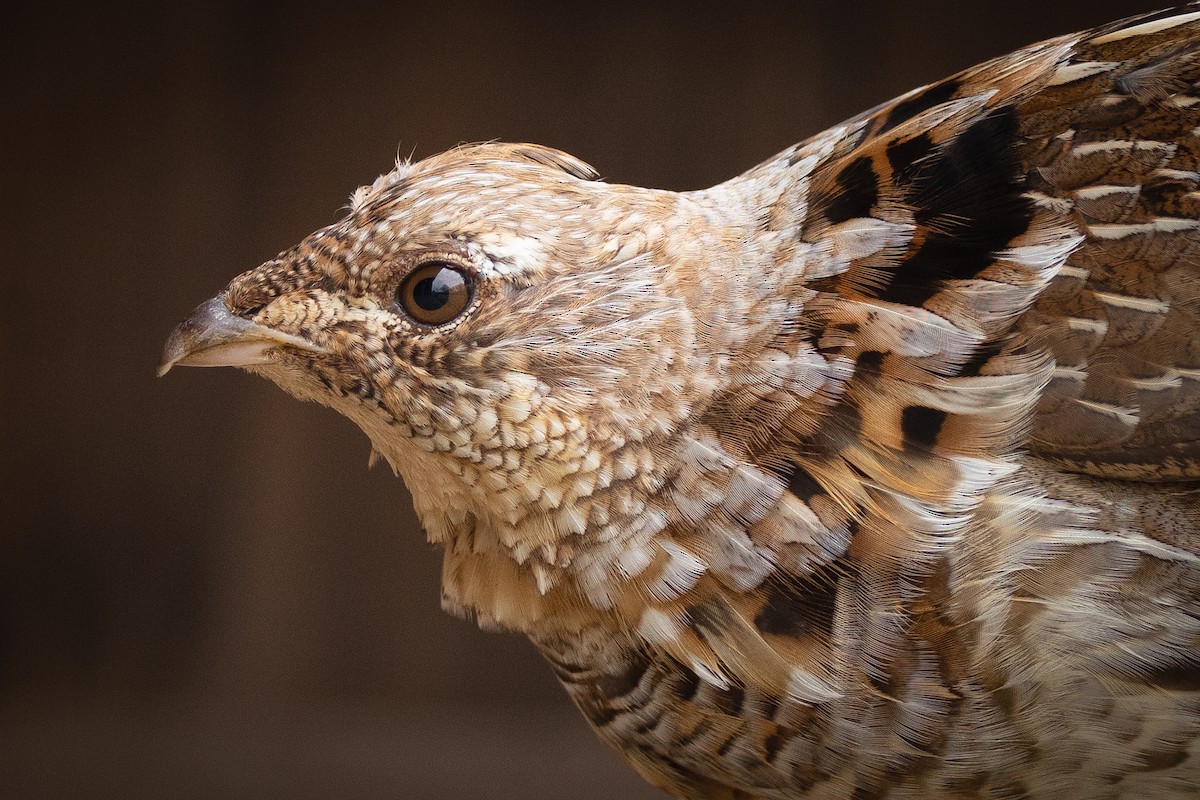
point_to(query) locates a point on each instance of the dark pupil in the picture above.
(434, 292)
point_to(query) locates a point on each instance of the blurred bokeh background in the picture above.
(204, 593)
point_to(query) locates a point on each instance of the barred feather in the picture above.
(872, 471)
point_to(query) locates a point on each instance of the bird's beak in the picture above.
(212, 337)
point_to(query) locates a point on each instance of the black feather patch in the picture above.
(1174, 677)
(687, 683)
(772, 745)
(983, 354)
(906, 155)
(920, 426)
(857, 193)
(802, 484)
(968, 196)
(935, 95)
(800, 610)
(868, 364)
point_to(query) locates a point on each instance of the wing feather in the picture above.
(1052, 203)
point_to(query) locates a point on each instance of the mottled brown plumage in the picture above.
(874, 471)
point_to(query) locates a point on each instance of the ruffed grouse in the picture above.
(874, 471)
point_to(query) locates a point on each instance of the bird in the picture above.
(871, 472)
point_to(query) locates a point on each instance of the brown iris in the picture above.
(434, 293)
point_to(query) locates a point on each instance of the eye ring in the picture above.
(435, 292)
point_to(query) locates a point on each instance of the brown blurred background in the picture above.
(203, 591)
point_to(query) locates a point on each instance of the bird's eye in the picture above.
(435, 293)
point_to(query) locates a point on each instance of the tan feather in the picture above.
(870, 472)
